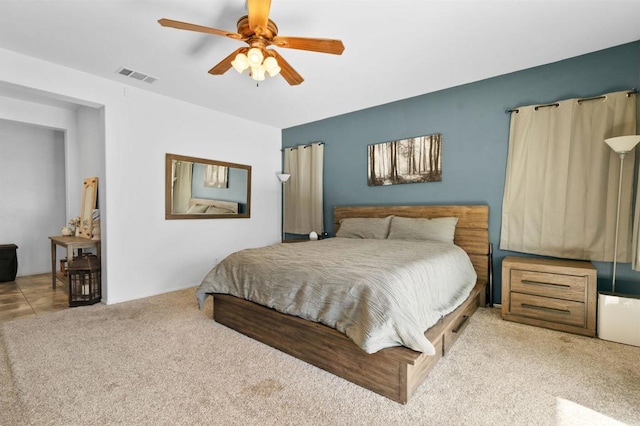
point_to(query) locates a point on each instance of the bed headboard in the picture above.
(472, 229)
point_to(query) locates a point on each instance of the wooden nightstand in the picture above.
(557, 294)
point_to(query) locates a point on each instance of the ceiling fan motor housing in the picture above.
(261, 33)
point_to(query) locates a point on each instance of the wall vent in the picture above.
(137, 75)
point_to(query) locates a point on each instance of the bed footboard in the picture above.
(395, 373)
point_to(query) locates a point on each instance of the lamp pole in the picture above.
(615, 244)
(283, 178)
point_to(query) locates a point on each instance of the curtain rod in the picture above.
(303, 146)
(633, 91)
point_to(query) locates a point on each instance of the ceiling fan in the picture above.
(259, 32)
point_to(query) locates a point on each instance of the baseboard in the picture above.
(151, 294)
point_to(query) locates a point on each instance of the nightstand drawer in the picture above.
(548, 309)
(560, 286)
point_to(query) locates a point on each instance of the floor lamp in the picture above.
(618, 315)
(283, 178)
(622, 145)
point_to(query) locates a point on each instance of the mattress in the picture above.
(380, 293)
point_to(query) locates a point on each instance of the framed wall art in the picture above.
(409, 160)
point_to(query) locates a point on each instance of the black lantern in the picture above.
(8, 262)
(84, 281)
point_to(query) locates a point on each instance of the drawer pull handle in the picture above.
(544, 308)
(462, 325)
(541, 284)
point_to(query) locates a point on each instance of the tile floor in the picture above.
(30, 296)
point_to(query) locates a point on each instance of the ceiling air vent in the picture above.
(137, 75)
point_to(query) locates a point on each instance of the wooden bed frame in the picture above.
(393, 372)
(230, 205)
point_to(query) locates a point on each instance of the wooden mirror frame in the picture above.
(89, 197)
(169, 214)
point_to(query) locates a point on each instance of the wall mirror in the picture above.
(89, 197)
(197, 188)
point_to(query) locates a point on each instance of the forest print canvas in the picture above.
(406, 161)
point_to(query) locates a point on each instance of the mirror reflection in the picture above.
(198, 188)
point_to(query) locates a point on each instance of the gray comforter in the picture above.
(380, 293)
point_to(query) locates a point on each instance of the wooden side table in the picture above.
(551, 293)
(70, 243)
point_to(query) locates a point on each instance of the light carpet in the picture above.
(161, 361)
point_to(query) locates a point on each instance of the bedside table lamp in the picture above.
(283, 178)
(619, 316)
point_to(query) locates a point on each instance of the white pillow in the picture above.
(218, 210)
(364, 227)
(438, 229)
(197, 208)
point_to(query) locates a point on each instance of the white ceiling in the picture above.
(393, 49)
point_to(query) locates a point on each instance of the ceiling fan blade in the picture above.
(322, 45)
(197, 28)
(258, 11)
(286, 71)
(224, 65)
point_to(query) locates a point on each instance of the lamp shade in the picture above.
(257, 73)
(240, 63)
(255, 57)
(271, 65)
(623, 144)
(283, 177)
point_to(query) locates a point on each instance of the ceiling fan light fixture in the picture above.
(240, 63)
(255, 57)
(257, 73)
(271, 66)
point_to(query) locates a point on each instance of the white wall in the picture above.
(144, 254)
(90, 156)
(64, 119)
(56, 118)
(32, 192)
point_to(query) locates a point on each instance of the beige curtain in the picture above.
(303, 192)
(182, 172)
(216, 176)
(562, 179)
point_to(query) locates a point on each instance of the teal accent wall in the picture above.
(235, 192)
(475, 134)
